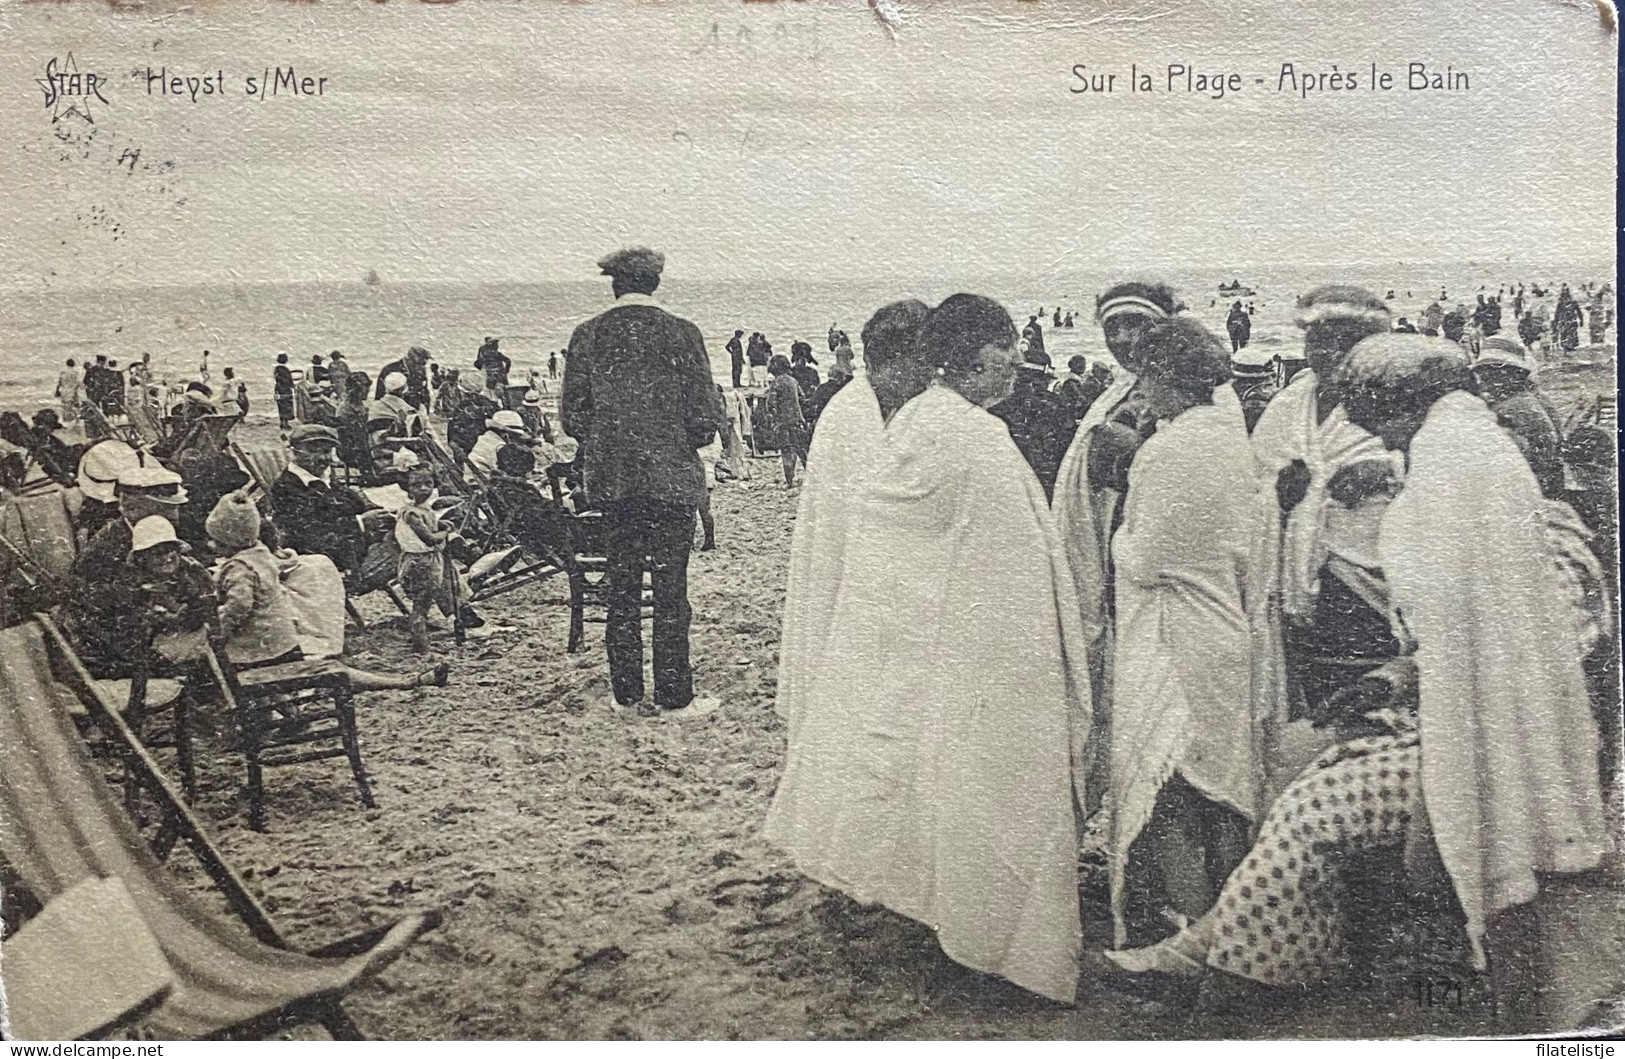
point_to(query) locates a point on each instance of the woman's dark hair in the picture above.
(778, 365)
(956, 332)
(893, 332)
(1392, 375)
(1184, 354)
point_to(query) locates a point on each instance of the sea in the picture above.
(245, 326)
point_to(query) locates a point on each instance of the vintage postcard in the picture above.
(843, 519)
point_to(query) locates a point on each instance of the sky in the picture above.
(520, 140)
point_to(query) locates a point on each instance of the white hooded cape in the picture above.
(928, 680)
(1509, 746)
(1180, 693)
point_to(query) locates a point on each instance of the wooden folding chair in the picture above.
(60, 825)
(284, 713)
(589, 588)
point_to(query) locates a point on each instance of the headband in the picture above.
(1130, 303)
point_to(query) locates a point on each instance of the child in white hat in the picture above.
(176, 592)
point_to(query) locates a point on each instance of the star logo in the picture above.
(69, 92)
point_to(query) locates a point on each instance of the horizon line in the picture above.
(893, 277)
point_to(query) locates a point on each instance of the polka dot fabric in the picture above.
(1277, 919)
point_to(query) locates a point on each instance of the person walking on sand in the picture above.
(70, 390)
(788, 421)
(757, 352)
(639, 397)
(1240, 326)
(736, 357)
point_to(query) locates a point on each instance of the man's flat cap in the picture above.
(313, 434)
(639, 261)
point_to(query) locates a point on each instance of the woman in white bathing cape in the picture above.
(1183, 766)
(1499, 764)
(932, 674)
(1084, 512)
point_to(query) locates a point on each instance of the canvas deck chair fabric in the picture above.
(263, 462)
(41, 527)
(61, 825)
(37, 548)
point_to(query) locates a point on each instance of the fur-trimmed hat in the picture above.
(1339, 301)
(1503, 349)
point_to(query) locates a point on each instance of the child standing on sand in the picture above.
(422, 542)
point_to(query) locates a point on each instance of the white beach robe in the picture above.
(932, 677)
(1286, 554)
(1181, 679)
(1509, 745)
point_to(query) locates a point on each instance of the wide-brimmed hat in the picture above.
(151, 532)
(507, 419)
(152, 481)
(100, 468)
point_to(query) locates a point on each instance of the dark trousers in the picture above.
(643, 533)
(739, 371)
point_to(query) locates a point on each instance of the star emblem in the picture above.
(69, 92)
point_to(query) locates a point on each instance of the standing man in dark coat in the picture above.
(804, 368)
(415, 366)
(283, 389)
(639, 396)
(1240, 326)
(1041, 423)
(736, 357)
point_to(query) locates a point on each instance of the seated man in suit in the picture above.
(316, 516)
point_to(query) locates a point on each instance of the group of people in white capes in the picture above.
(968, 672)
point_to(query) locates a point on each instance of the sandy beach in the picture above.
(603, 876)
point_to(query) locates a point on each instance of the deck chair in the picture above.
(284, 712)
(509, 564)
(60, 825)
(263, 462)
(37, 545)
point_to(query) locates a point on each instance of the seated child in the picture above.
(175, 602)
(258, 618)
